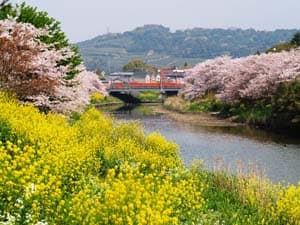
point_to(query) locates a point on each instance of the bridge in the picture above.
(126, 91)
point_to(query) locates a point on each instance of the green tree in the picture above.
(139, 66)
(135, 66)
(56, 38)
(286, 105)
(296, 39)
(285, 46)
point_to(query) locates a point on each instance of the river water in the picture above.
(274, 156)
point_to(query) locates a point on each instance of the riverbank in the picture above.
(201, 118)
(262, 115)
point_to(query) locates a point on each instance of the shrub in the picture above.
(287, 205)
(286, 105)
(97, 97)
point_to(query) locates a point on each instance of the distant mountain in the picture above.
(156, 45)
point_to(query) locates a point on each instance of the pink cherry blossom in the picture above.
(31, 69)
(251, 77)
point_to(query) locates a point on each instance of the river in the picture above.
(275, 156)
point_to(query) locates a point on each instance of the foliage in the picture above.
(138, 66)
(296, 39)
(135, 66)
(157, 45)
(176, 103)
(247, 197)
(102, 99)
(55, 38)
(287, 205)
(286, 105)
(208, 104)
(150, 96)
(255, 113)
(97, 98)
(285, 46)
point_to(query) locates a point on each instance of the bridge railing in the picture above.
(139, 85)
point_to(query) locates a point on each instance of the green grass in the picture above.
(255, 113)
(150, 96)
(107, 99)
(225, 200)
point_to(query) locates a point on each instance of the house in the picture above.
(127, 77)
(171, 75)
(139, 77)
(164, 73)
(120, 76)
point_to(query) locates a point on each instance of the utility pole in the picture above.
(108, 63)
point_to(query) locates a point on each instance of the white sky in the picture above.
(83, 20)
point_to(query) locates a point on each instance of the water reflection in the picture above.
(277, 155)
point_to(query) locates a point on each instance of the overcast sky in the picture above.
(86, 19)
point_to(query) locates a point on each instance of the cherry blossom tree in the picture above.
(55, 37)
(27, 66)
(74, 96)
(252, 77)
(31, 69)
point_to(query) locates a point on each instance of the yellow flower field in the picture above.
(94, 170)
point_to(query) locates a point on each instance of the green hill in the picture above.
(157, 45)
